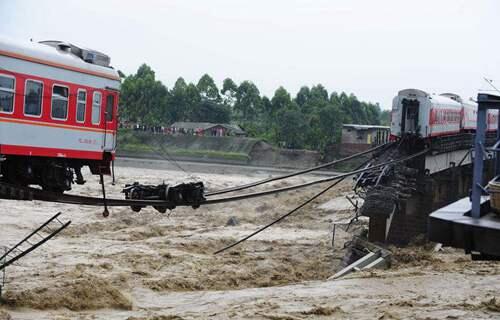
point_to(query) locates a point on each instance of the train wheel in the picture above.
(136, 208)
(56, 178)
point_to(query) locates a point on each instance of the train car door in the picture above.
(8, 96)
(410, 116)
(110, 124)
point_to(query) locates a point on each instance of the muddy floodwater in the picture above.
(153, 266)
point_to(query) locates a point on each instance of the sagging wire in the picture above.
(314, 182)
(490, 82)
(317, 195)
(280, 218)
(296, 173)
(165, 155)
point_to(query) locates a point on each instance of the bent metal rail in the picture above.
(296, 173)
(30, 193)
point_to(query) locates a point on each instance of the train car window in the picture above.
(60, 96)
(7, 85)
(33, 98)
(96, 108)
(81, 102)
(110, 101)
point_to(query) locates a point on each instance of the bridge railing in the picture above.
(485, 103)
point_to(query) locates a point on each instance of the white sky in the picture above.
(371, 48)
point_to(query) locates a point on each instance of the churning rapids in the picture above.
(152, 266)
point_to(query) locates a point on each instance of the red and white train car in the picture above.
(58, 112)
(418, 113)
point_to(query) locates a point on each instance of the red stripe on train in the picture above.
(50, 152)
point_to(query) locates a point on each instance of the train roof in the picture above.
(414, 92)
(445, 100)
(55, 56)
(451, 99)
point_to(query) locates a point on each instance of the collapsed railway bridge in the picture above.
(399, 199)
(401, 182)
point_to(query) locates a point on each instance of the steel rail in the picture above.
(307, 184)
(296, 173)
(42, 195)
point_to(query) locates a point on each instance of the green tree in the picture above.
(329, 125)
(229, 91)
(291, 126)
(209, 111)
(319, 94)
(247, 101)
(280, 100)
(193, 99)
(303, 96)
(178, 105)
(316, 98)
(266, 108)
(385, 118)
(313, 119)
(208, 89)
(143, 98)
(372, 112)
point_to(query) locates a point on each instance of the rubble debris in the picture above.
(233, 221)
(363, 255)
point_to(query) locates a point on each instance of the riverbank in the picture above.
(223, 150)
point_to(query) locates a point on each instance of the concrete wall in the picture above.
(248, 151)
(263, 154)
(350, 135)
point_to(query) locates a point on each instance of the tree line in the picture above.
(312, 119)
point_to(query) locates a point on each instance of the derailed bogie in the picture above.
(186, 193)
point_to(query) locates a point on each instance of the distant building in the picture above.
(207, 129)
(359, 137)
(365, 134)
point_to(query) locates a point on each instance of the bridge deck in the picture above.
(443, 161)
(453, 226)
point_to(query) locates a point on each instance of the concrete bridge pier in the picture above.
(434, 191)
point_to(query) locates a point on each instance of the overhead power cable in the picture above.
(490, 82)
(296, 173)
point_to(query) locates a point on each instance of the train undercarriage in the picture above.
(52, 174)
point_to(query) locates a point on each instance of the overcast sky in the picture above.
(370, 48)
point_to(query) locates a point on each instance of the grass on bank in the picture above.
(145, 149)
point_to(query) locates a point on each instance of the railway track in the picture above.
(10, 191)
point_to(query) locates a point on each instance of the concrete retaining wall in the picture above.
(230, 150)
